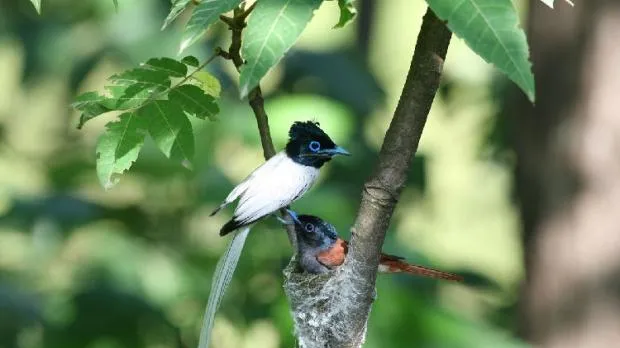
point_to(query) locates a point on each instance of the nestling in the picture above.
(321, 250)
(277, 183)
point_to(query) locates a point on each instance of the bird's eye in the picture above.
(309, 228)
(314, 146)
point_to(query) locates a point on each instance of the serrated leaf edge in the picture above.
(245, 89)
(171, 130)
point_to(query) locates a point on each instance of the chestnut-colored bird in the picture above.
(321, 250)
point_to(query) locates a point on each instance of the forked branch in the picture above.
(332, 310)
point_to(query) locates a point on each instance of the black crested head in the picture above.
(309, 145)
(314, 232)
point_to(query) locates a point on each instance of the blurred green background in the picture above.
(130, 267)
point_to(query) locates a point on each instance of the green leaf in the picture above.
(204, 14)
(347, 12)
(134, 87)
(37, 5)
(209, 83)
(170, 129)
(490, 28)
(169, 66)
(91, 104)
(194, 101)
(115, 2)
(191, 61)
(550, 2)
(177, 7)
(156, 108)
(118, 147)
(272, 29)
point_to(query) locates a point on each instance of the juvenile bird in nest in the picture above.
(321, 250)
(278, 182)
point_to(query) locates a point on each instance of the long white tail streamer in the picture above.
(221, 278)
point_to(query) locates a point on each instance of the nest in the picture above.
(321, 306)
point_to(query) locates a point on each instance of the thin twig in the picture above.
(236, 24)
(198, 68)
(382, 190)
(247, 12)
(156, 96)
(345, 298)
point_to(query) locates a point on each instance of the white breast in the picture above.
(272, 186)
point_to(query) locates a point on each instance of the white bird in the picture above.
(281, 180)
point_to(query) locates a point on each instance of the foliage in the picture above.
(551, 2)
(205, 14)
(347, 12)
(272, 29)
(37, 5)
(130, 267)
(489, 27)
(149, 102)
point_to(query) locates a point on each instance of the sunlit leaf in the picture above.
(37, 5)
(194, 101)
(91, 104)
(170, 129)
(272, 29)
(204, 14)
(550, 2)
(157, 106)
(134, 87)
(491, 29)
(169, 66)
(190, 60)
(347, 12)
(209, 83)
(177, 8)
(118, 147)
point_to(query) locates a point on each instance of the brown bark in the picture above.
(332, 310)
(568, 176)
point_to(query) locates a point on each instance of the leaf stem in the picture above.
(198, 68)
(185, 79)
(236, 24)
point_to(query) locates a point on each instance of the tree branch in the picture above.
(255, 98)
(332, 310)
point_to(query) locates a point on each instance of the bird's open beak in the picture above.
(336, 151)
(293, 216)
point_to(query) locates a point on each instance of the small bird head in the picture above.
(310, 146)
(314, 232)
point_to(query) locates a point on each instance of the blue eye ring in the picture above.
(309, 227)
(314, 146)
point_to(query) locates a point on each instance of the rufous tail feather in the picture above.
(393, 266)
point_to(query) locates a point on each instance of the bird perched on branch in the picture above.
(278, 182)
(321, 250)
(283, 178)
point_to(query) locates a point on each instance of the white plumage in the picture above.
(221, 278)
(272, 186)
(277, 183)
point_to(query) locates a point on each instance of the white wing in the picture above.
(268, 166)
(275, 186)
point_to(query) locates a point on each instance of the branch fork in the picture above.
(332, 309)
